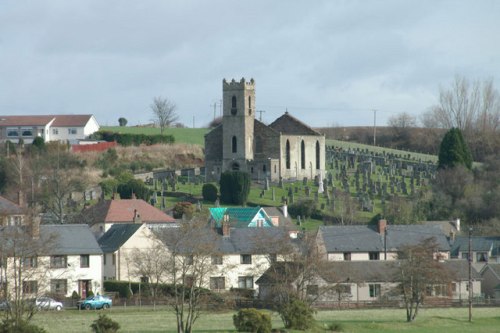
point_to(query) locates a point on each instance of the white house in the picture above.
(70, 128)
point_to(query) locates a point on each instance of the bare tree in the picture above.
(419, 269)
(191, 247)
(346, 207)
(164, 112)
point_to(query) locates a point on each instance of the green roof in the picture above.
(238, 216)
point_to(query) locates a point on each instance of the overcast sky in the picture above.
(327, 62)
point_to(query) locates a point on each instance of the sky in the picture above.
(329, 63)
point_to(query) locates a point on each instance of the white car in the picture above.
(47, 303)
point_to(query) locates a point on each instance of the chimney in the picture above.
(137, 217)
(382, 225)
(226, 226)
(457, 224)
(35, 227)
(20, 198)
(133, 195)
(285, 209)
(452, 236)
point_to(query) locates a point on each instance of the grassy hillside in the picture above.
(181, 135)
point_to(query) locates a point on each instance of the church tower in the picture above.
(238, 103)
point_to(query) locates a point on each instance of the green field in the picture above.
(181, 135)
(136, 320)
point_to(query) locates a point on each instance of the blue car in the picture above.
(95, 302)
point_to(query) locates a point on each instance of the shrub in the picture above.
(126, 139)
(304, 208)
(10, 326)
(252, 320)
(296, 314)
(234, 187)
(209, 192)
(90, 293)
(135, 186)
(104, 324)
(75, 295)
(335, 327)
(183, 209)
(39, 144)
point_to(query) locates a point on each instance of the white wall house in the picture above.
(70, 128)
(54, 259)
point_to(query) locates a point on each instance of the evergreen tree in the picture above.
(453, 151)
(234, 187)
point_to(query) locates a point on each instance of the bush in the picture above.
(121, 287)
(183, 209)
(39, 144)
(135, 186)
(75, 295)
(90, 293)
(335, 327)
(252, 320)
(126, 139)
(10, 326)
(104, 324)
(304, 208)
(296, 314)
(209, 192)
(234, 187)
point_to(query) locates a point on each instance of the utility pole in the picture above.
(215, 109)
(470, 274)
(260, 116)
(374, 127)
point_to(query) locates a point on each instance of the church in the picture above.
(287, 149)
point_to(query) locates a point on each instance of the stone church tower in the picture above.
(286, 149)
(238, 102)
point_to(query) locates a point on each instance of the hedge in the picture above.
(126, 139)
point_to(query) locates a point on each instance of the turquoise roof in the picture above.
(239, 216)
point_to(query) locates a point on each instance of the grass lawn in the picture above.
(182, 135)
(135, 320)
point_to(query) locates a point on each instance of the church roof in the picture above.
(287, 124)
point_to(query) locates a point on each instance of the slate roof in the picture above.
(286, 124)
(116, 236)
(364, 238)
(479, 244)
(70, 239)
(8, 207)
(493, 267)
(75, 120)
(122, 211)
(283, 221)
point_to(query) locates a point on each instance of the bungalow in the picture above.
(56, 259)
(381, 242)
(50, 127)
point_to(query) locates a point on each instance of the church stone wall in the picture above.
(296, 171)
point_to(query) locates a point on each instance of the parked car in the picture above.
(47, 303)
(95, 302)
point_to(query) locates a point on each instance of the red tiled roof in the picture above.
(60, 120)
(122, 211)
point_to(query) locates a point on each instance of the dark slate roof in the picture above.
(70, 239)
(479, 243)
(460, 270)
(494, 267)
(116, 236)
(8, 207)
(286, 124)
(364, 238)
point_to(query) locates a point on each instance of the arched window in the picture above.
(264, 168)
(235, 166)
(302, 155)
(234, 147)
(287, 154)
(317, 156)
(249, 105)
(233, 105)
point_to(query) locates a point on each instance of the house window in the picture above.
(113, 259)
(59, 286)
(441, 290)
(144, 279)
(30, 287)
(15, 220)
(30, 262)
(374, 255)
(374, 290)
(58, 261)
(347, 256)
(216, 260)
(246, 259)
(234, 147)
(12, 132)
(245, 282)
(218, 283)
(27, 131)
(72, 131)
(312, 290)
(189, 260)
(287, 154)
(55, 131)
(84, 261)
(302, 155)
(104, 259)
(343, 289)
(482, 257)
(273, 257)
(318, 164)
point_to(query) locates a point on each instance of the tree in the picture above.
(400, 125)
(164, 112)
(417, 270)
(134, 187)
(190, 248)
(234, 187)
(122, 122)
(453, 151)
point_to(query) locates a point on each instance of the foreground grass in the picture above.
(145, 320)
